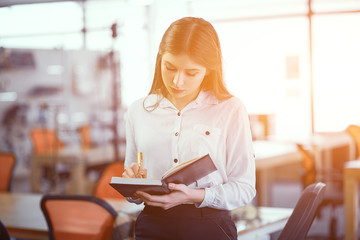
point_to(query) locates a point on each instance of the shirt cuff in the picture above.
(208, 199)
(132, 200)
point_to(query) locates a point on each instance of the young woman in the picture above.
(189, 113)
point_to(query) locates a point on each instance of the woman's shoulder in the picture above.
(136, 104)
(143, 103)
(232, 102)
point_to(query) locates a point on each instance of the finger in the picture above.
(143, 172)
(150, 198)
(143, 195)
(155, 200)
(125, 175)
(131, 171)
(128, 173)
(136, 170)
(176, 187)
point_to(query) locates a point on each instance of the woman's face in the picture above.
(182, 78)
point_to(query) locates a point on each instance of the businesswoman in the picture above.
(189, 113)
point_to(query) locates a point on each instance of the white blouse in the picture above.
(167, 137)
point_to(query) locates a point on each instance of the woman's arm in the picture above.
(239, 161)
(179, 194)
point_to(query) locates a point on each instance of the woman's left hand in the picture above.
(179, 194)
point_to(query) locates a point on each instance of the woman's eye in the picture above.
(170, 68)
(190, 74)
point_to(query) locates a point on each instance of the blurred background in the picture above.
(295, 76)
(69, 70)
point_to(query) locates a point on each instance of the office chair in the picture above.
(7, 165)
(302, 217)
(46, 141)
(124, 228)
(333, 178)
(4, 235)
(102, 188)
(78, 217)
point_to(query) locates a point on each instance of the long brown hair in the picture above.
(198, 39)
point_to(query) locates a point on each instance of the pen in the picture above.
(140, 159)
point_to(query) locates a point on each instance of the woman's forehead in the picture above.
(181, 60)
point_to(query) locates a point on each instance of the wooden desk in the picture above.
(268, 156)
(77, 158)
(22, 216)
(351, 197)
(325, 144)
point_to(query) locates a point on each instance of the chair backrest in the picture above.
(304, 213)
(45, 140)
(308, 164)
(7, 165)
(4, 235)
(102, 188)
(78, 217)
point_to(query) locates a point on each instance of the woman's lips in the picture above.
(174, 90)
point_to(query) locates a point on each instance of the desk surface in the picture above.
(22, 216)
(275, 153)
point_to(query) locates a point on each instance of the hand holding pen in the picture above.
(136, 170)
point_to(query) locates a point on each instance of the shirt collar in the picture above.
(204, 97)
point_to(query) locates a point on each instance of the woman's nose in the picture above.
(179, 79)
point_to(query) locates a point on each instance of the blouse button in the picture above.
(178, 113)
(175, 160)
(207, 133)
(177, 134)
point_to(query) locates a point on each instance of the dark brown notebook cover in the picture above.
(185, 173)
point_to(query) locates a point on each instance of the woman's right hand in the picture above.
(133, 171)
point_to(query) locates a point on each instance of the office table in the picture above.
(325, 144)
(77, 158)
(351, 197)
(22, 216)
(268, 156)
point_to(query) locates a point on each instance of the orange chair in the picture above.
(45, 140)
(78, 217)
(308, 163)
(102, 188)
(85, 133)
(7, 165)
